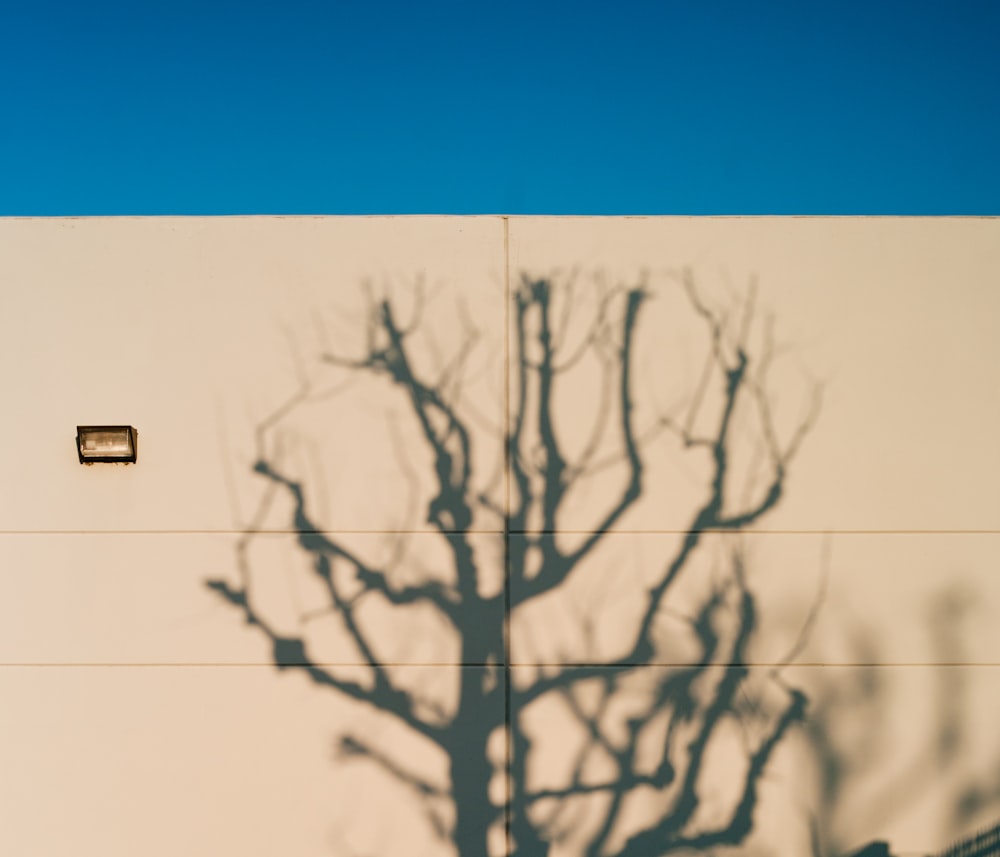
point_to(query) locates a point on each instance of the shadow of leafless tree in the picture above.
(595, 753)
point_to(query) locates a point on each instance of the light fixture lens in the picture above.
(105, 443)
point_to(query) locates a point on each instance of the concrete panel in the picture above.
(142, 598)
(920, 598)
(802, 760)
(209, 336)
(216, 760)
(898, 319)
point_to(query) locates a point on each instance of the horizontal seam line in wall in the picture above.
(567, 532)
(517, 664)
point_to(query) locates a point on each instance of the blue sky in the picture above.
(215, 107)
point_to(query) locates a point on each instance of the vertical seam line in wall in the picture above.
(508, 748)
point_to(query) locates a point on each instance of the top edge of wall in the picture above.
(499, 216)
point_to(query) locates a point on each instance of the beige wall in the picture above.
(141, 715)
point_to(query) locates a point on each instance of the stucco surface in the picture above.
(142, 714)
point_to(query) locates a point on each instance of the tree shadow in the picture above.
(645, 746)
(866, 781)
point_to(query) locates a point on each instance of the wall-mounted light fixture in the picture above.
(106, 443)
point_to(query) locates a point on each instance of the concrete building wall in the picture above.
(143, 713)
